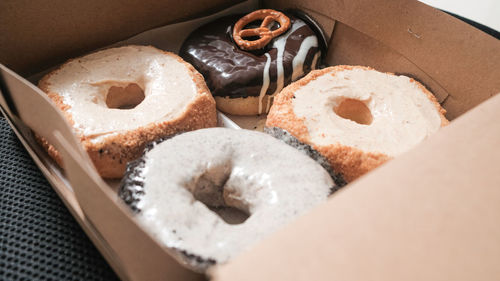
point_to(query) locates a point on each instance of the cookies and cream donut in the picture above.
(245, 79)
(357, 117)
(210, 171)
(119, 99)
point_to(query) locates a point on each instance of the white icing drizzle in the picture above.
(280, 45)
(298, 60)
(297, 63)
(265, 81)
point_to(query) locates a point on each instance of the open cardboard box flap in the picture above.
(431, 214)
(435, 206)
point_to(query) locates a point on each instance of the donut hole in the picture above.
(354, 110)
(127, 97)
(211, 190)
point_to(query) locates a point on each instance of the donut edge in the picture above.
(111, 155)
(131, 190)
(351, 162)
(292, 141)
(248, 106)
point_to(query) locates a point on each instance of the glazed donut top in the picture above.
(235, 73)
(84, 84)
(248, 170)
(392, 113)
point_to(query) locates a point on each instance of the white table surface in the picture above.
(486, 12)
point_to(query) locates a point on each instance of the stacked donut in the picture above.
(226, 189)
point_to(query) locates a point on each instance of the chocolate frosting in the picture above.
(235, 73)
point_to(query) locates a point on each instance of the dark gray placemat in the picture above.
(39, 239)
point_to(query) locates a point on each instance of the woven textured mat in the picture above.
(39, 239)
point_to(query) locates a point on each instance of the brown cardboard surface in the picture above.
(431, 214)
(38, 34)
(34, 108)
(349, 46)
(453, 58)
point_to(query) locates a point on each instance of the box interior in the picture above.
(457, 62)
(39, 34)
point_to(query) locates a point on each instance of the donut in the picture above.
(117, 100)
(213, 170)
(287, 138)
(357, 117)
(245, 79)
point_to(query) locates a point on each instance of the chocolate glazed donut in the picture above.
(232, 73)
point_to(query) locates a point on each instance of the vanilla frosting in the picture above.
(83, 84)
(403, 115)
(256, 173)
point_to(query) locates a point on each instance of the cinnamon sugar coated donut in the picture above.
(357, 117)
(119, 99)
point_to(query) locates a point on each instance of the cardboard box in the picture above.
(430, 214)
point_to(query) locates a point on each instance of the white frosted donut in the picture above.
(119, 99)
(214, 168)
(357, 117)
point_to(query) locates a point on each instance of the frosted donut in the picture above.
(242, 81)
(357, 117)
(119, 99)
(211, 170)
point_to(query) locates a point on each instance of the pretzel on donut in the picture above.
(265, 34)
